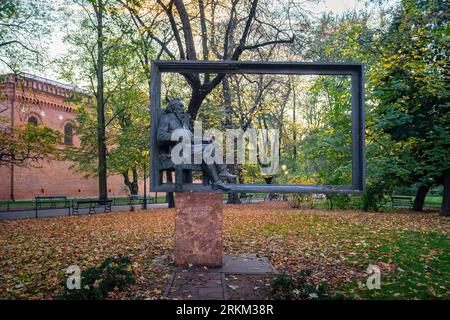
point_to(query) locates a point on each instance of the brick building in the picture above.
(32, 99)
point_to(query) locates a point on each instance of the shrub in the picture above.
(374, 198)
(286, 287)
(96, 282)
(339, 201)
(296, 199)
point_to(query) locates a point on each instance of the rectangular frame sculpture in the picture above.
(355, 70)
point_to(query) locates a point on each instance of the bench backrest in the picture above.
(401, 198)
(92, 201)
(401, 201)
(50, 198)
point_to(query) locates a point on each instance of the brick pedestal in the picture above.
(198, 229)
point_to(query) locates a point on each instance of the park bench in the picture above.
(92, 204)
(273, 197)
(401, 201)
(139, 199)
(6, 204)
(52, 202)
(246, 197)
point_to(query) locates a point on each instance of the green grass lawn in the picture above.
(417, 265)
(433, 201)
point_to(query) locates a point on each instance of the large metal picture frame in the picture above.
(355, 70)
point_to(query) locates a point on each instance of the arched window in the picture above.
(33, 120)
(68, 134)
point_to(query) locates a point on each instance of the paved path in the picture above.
(64, 212)
(214, 283)
(8, 215)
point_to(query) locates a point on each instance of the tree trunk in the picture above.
(445, 209)
(233, 197)
(132, 185)
(420, 198)
(330, 200)
(269, 180)
(195, 102)
(135, 182)
(169, 195)
(102, 179)
(294, 131)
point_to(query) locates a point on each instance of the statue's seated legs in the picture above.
(224, 173)
(216, 173)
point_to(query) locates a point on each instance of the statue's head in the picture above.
(175, 105)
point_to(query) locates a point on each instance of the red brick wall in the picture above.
(46, 101)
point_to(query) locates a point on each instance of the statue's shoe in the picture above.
(226, 175)
(220, 185)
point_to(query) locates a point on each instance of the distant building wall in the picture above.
(45, 100)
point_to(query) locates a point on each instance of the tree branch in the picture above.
(168, 9)
(113, 117)
(228, 29)
(268, 43)
(137, 18)
(187, 30)
(19, 43)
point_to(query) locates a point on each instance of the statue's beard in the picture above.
(181, 116)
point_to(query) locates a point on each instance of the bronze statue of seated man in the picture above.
(175, 117)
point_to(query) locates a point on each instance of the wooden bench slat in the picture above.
(138, 197)
(94, 203)
(401, 201)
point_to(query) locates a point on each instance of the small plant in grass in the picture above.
(298, 286)
(296, 199)
(112, 274)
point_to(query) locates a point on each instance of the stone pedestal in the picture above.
(198, 229)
